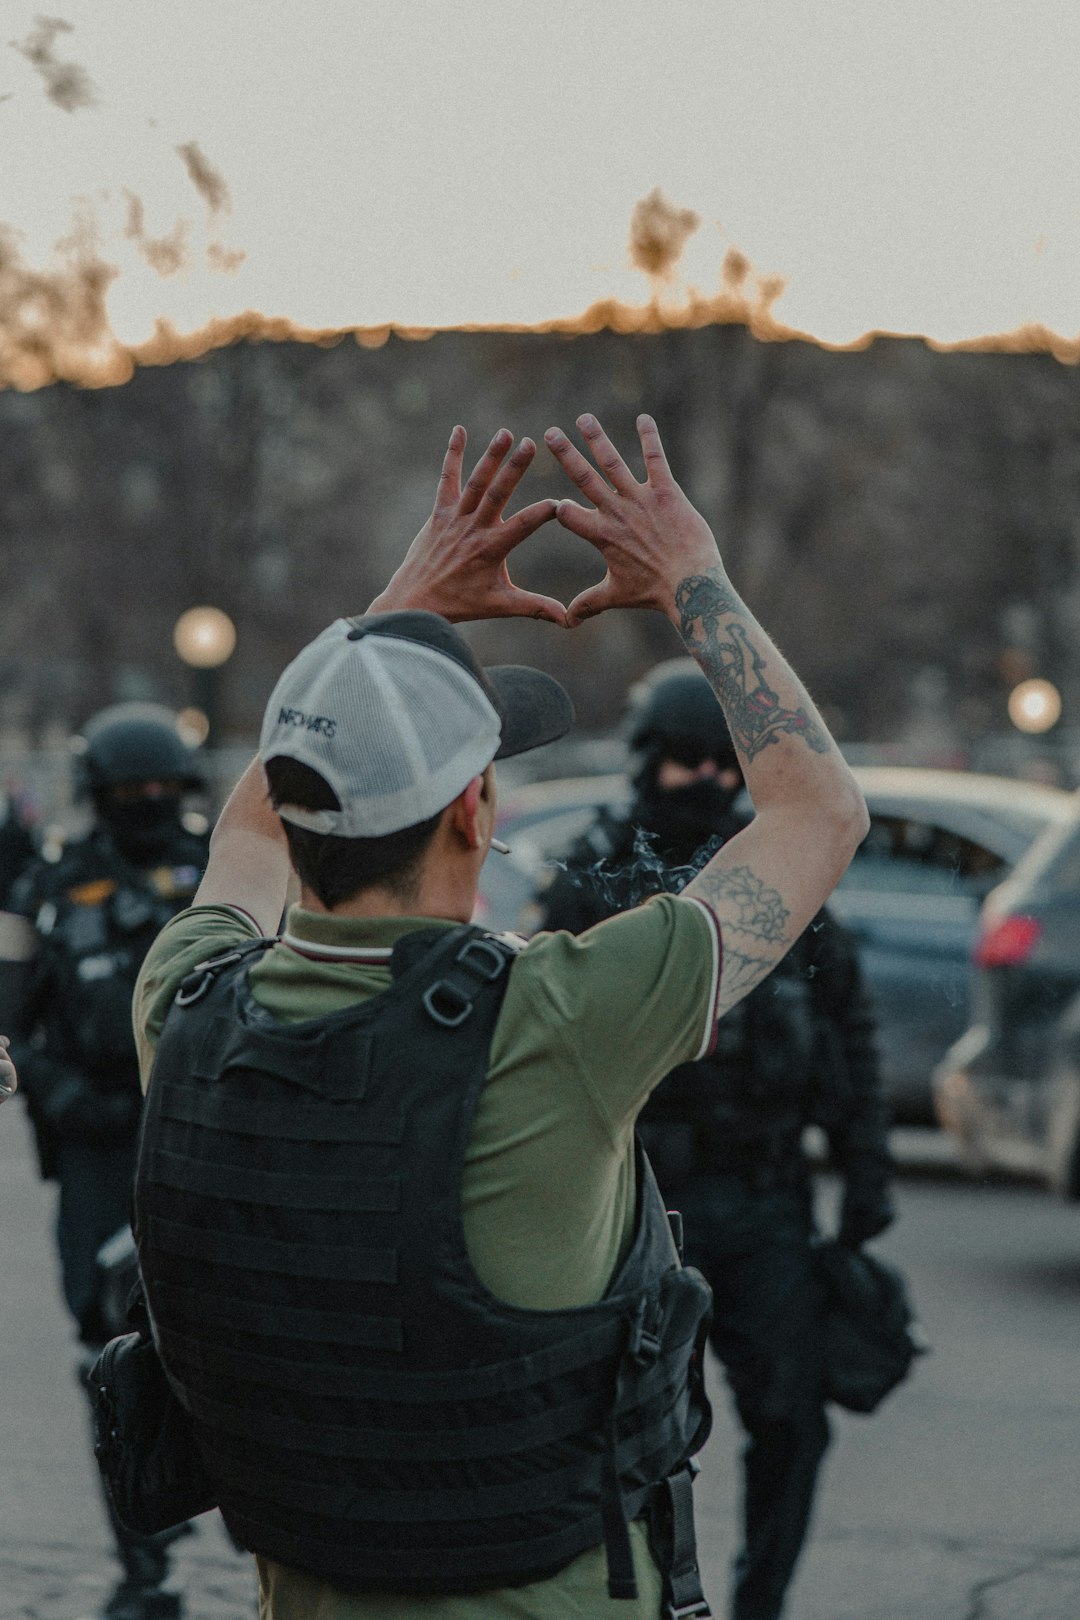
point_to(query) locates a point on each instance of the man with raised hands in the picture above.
(407, 1268)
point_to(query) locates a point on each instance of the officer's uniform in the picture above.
(81, 926)
(725, 1139)
(96, 915)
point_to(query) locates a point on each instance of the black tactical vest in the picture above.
(368, 1410)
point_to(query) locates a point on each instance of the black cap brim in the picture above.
(533, 707)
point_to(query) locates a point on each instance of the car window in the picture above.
(914, 855)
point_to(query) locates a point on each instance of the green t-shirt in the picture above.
(587, 1027)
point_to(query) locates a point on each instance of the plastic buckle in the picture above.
(491, 960)
(451, 993)
(206, 971)
(698, 1610)
(643, 1344)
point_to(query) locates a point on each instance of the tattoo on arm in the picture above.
(751, 916)
(747, 904)
(740, 974)
(736, 668)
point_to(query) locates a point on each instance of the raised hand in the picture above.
(456, 566)
(649, 535)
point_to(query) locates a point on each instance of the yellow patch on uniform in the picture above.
(173, 882)
(93, 893)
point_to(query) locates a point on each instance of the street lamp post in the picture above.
(204, 638)
(1034, 706)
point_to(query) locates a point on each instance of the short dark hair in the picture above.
(337, 868)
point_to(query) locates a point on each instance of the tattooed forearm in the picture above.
(736, 668)
(740, 974)
(743, 902)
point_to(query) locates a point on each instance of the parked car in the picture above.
(1009, 1088)
(938, 842)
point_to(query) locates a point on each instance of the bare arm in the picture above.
(249, 858)
(766, 883)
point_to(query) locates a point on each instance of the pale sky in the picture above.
(906, 165)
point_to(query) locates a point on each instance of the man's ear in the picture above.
(466, 813)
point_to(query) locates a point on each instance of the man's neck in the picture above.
(377, 902)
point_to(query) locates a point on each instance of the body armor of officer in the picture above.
(90, 917)
(725, 1135)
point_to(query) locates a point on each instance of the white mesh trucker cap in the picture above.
(396, 714)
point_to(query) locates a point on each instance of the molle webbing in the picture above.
(368, 1412)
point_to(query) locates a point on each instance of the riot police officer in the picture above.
(72, 941)
(725, 1134)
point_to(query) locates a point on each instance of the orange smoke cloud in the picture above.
(735, 269)
(67, 85)
(55, 324)
(208, 181)
(165, 254)
(658, 234)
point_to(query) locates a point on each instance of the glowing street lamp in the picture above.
(1034, 706)
(205, 639)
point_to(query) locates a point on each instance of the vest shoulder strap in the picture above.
(194, 985)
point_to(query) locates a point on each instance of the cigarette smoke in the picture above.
(66, 84)
(621, 884)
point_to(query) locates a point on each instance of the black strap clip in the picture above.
(671, 1532)
(644, 1343)
(482, 956)
(480, 961)
(457, 1005)
(194, 985)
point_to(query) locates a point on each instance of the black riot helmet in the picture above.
(135, 742)
(673, 713)
(124, 749)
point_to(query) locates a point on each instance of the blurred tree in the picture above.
(881, 508)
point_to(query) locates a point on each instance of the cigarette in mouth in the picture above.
(503, 849)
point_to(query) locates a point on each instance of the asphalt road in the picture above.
(957, 1501)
